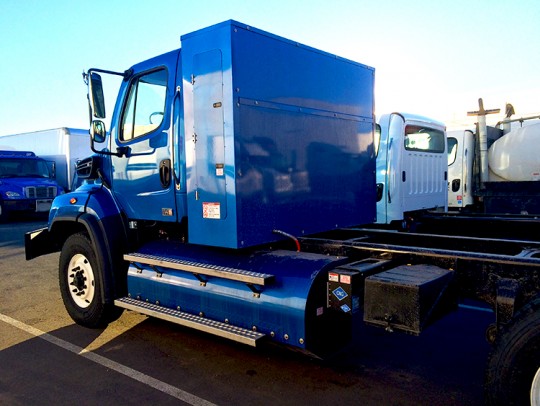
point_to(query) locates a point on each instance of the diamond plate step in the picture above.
(201, 269)
(217, 328)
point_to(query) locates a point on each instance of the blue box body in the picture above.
(279, 136)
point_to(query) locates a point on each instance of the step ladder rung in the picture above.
(241, 275)
(217, 328)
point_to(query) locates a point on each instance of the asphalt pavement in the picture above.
(47, 359)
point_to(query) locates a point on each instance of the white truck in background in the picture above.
(460, 169)
(63, 146)
(412, 167)
(495, 169)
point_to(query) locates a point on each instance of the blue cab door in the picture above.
(143, 178)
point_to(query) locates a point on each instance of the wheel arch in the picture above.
(108, 237)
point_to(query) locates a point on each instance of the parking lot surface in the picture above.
(47, 359)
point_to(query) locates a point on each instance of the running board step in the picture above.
(217, 328)
(248, 277)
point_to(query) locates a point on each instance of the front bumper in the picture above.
(37, 243)
(28, 205)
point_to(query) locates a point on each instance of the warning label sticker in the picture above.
(220, 170)
(211, 210)
(345, 279)
(333, 277)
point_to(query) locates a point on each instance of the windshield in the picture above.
(452, 149)
(23, 168)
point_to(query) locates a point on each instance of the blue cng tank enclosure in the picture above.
(291, 307)
(279, 136)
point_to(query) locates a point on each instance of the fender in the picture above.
(91, 209)
(102, 219)
(109, 240)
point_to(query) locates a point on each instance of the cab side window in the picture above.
(145, 107)
(377, 139)
(424, 139)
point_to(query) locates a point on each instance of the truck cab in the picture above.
(26, 183)
(460, 168)
(218, 156)
(195, 135)
(141, 174)
(412, 166)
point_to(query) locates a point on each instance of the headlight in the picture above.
(12, 195)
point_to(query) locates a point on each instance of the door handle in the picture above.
(165, 173)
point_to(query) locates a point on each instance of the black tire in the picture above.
(535, 390)
(515, 359)
(81, 284)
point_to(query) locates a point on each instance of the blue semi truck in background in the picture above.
(62, 147)
(233, 192)
(27, 184)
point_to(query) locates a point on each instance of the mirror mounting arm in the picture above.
(122, 151)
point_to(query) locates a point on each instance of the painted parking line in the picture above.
(115, 366)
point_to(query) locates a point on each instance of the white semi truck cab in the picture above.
(412, 171)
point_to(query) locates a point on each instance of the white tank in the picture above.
(516, 155)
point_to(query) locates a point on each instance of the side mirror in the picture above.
(98, 131)
(96, 94)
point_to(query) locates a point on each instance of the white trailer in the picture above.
(65, 146)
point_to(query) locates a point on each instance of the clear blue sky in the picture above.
(434, 58)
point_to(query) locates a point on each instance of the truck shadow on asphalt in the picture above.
(444, 366)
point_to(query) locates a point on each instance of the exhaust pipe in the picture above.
(482, 138)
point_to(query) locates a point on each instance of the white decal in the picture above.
(211, 210)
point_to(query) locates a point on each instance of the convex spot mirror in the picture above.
(98, 131)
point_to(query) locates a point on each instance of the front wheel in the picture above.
(512, 373)
(81, 284)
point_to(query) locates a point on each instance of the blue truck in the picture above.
(233, 193)
(62, 146)
(27, 184)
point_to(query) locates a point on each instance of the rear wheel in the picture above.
(515, 360)
(535, 390)
(81, 284)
